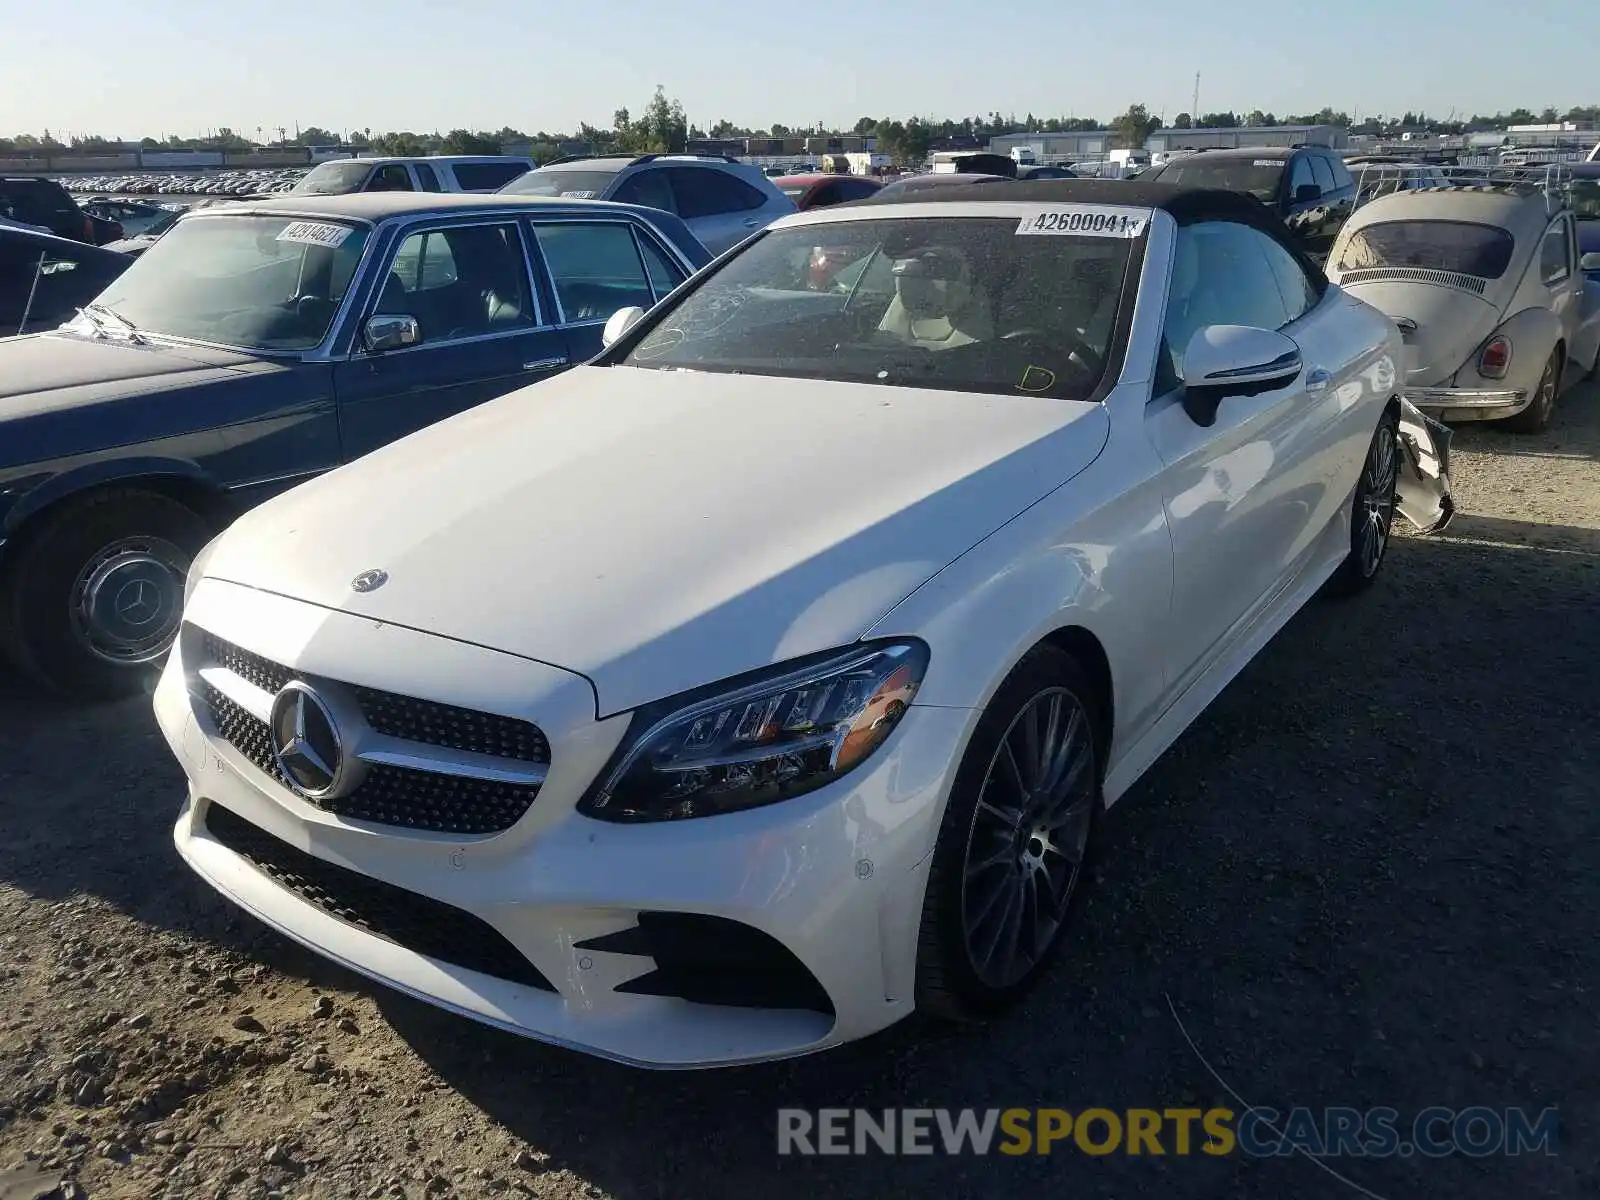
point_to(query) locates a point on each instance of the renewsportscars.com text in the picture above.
(1476, 1132)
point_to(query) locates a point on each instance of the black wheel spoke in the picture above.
(1022, 859)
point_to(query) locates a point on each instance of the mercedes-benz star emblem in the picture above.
(305, 741)
(370, 581)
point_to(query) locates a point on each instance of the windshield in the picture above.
(1259, 177)
(333, 179)
(256, 282)
(1459, 246)
(579, 185)
(1586, 199)
(958, 303)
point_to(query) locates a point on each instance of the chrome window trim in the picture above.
(578, 219)
(425, 224)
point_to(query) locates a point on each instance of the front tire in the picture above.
(1371, 511)
(94, 595)
(1536, 417)
(1012, 846)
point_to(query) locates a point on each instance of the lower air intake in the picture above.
(712, 960)
(419, 923)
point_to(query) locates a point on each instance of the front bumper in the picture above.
(835, 877)
(1468, 404)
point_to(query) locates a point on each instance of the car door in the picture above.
(595, 267)
(718, 208)
(483, 332)
(1244, 494)
(1558, 272)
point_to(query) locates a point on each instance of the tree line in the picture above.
(662, 127)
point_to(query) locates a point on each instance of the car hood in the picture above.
(1450, 324)
(659, 530)
(47, 371)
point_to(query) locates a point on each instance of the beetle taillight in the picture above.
(1496, 358)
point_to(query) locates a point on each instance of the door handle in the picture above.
(751, 222)
(1317, 380)
(545, 364)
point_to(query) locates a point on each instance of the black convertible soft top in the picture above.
(1187, 205)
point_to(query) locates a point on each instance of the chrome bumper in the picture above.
(1443, 397)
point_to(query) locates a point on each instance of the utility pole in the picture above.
(1194, 105)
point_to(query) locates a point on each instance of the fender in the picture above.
(29, 496)
(1095, 554)
(1534, 332)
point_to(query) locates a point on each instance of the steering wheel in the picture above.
(1076, 346)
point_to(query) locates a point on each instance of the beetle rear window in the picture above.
(1462, 247)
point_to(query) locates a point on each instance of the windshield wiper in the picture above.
(132, 330)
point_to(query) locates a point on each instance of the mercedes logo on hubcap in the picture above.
(305, 741)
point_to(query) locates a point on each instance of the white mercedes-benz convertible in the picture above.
(760, 682)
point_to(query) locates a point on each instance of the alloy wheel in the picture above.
(1029, 831)
(1378, 480)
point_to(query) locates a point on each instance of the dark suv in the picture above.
(1308, 186)
(45, 203)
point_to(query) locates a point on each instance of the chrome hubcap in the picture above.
(1028, 835)
(127, 601)
(1376, 511)
(1547, 388)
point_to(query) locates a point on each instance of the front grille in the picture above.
(388, 795)
(405, 717)
(419, 923)
(405, 797)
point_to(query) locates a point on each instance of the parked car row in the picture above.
(219, 183)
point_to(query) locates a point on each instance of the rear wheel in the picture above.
(1536, 416)
(94, 596)
(1012, 846)
(1372, 511)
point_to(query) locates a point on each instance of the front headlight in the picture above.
(761, 739)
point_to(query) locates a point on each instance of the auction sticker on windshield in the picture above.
(315, 233)
(1087, 220)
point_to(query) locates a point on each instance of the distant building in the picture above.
(1163, 140)
(1051, 147)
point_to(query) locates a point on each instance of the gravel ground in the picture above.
(1363, 878)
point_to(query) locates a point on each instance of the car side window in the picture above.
(1299, 290)
(1341, 175)
(595, 268)
(707, 192)
(648, 189)
(1323, 173)
(664, 273)
(461, 282)
(391, 178)
(1220, 276)
(1555, 263)
(1299, 175)
(429, 180)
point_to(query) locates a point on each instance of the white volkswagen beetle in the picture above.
(1483, 277)
(736, 694)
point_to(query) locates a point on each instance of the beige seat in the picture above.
(936, 305)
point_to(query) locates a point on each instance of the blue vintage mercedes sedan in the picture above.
(256, 346)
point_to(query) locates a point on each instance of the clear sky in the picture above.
(185, 66)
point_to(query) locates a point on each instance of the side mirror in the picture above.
(1590, 261)
(1234, 360)
(1307, 192)
(619, 322)
(385, 332)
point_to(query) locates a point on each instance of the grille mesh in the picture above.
(419, 923)
(407, 717)
(400, 796)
